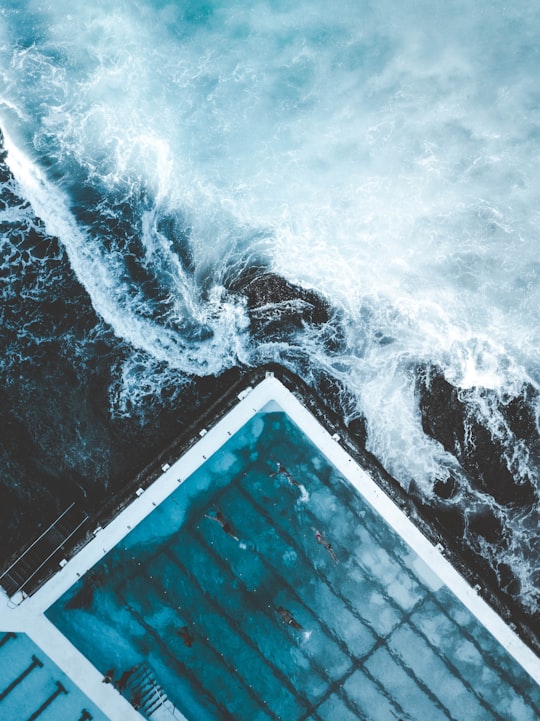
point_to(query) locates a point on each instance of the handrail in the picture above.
(20, 587)
(52, 554)
(27, 550)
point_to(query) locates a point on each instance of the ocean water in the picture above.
(383, 154)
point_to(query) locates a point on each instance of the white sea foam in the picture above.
(304, 495)
(101, 274)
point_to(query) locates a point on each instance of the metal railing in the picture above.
(18, 577)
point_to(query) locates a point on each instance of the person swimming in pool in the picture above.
(283, 471)
(186, 635)
(124, 678)
(325, 543)
(219, 518)
(108, 676)
(288, 618)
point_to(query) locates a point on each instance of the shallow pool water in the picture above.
(32, 687)
(265, 587)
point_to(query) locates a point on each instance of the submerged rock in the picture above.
(483, 521)
(520, 414)
(450, 416)
(277, 307)
(446, 488)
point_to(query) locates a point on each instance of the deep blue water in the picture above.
(384, 154)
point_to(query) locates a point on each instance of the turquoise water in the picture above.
(259, 620)
(33, 687)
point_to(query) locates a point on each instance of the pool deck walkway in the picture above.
(26, 614)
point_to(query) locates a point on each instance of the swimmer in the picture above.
(304, 495)
(124, 678)
(223, 523)
(325, 543)
(282, 470)
(186, 636)
(288, 618)
(108, 676)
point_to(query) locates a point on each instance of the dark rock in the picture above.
(443, 415)
(277, 307)
(520, 415)
(331, 335)
(447, 518)
(446, 487)
(450, 521)
(508, 581)
(482, 521)
(358, 429)
(450, 417)
(340, 400)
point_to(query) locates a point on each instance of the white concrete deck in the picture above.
(29, 615)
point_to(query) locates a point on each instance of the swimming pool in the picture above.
(266, 587)
(33, 688)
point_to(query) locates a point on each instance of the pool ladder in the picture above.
(146, 694)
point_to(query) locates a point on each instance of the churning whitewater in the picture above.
(381, 154)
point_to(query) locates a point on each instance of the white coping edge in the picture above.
(28, 617)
